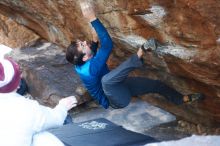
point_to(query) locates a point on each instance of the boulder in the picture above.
(48, 75)
(191, 64)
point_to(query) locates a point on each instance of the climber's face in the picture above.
(84, 47)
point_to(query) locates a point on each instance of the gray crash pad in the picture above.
(99, 132)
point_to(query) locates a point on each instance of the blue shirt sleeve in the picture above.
(94, 47)
(106, 45)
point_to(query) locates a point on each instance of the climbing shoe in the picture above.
(193, 97)
(151, 45)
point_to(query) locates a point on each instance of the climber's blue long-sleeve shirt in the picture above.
(94, 69)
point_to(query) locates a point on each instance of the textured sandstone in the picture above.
(15, 35)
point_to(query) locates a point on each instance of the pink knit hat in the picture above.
(10, 75)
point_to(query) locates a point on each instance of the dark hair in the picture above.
(73, 55)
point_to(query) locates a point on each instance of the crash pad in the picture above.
(99, 132)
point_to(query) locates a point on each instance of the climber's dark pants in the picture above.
(119, 88)
(23, 88)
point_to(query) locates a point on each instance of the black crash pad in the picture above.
(99, 132)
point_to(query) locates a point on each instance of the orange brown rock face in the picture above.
(13, 34)
(192, 65)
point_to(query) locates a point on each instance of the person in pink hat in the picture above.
(23, 121)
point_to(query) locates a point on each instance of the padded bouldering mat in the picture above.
(99, 132)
